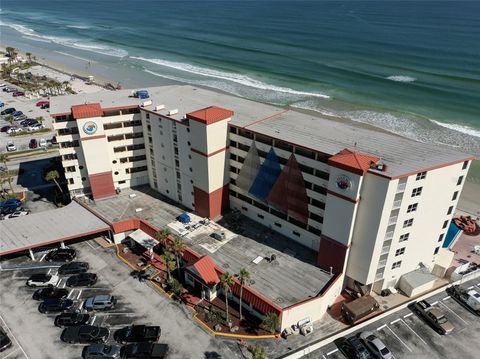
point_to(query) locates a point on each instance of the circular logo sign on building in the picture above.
(343, 182)
(90, 128)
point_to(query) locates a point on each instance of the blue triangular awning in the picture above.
(266, 177)
(249, 169)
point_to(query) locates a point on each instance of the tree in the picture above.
(53, 175)
(270, 322)
(162, 236)
(177, 247)
(29, 56)
(258, 352)
(6, 177)
(244, 277)
(226, 280)
(169, 260)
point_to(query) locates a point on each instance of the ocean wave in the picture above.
(228, 76)
(401, 78)
(75, 57)
(69, 42)
(459, 128)
(82, 27)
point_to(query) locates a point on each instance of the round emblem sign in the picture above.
(343, 182)
(90, 128)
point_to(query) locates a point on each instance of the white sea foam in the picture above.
(75, 57)
(228, 76)
(459, 128)
(35, 39)
(401, 78)
(82, 27)
(69, 42)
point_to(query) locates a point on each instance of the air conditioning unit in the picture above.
(172, 112)
(147, 103)
(159, 107)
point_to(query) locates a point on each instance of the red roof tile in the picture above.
(206, 270)
(353, 161)
(210, 115)
(87, 110)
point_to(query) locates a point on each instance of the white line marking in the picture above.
(414, 332)
(93, 319)
(41, 259)
(383, 326)
(333, 351)
(407, 315)
(396, 320)
(70, 293)
(49, 271)
(13, 336)
(79, 293)
(447, 297)
(459, 317)
(10, 353)
(470, 287)
(435, 303)
(90, 245)
(400, 340)
(64, 284)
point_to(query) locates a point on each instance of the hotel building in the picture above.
(373, 205)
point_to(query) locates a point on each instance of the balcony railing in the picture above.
(397, 204)
(392, 220)
(401, 187)
(382, 263)
(388, 236)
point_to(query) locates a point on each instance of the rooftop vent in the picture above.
(172, 112)
(147, 103)
(159, 107)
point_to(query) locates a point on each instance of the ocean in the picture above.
(409, 67)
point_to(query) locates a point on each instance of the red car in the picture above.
(41, 103)
(18, 93)
(33, 143)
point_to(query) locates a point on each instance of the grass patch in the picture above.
(19, 134)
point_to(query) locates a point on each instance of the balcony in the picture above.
(401, 187)
(388, 236)
(397, 204)
(382, 264)
(392, 220)
(385, 249)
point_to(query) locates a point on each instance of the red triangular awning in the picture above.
(353, 161)
(205, 269)
(87, 110)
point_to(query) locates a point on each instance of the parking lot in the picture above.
(27, 106)
(35, 336)
(408, 336)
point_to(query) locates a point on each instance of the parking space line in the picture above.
(447, 297)
(10, 353)
(400, 340)
(49, 271)
(91, 246)
(383, 326)
(396, 320)
(332, 351)
(70, 293)
(13, 336)
(93, 319)
(459, 317)
(414, 332)
(41, 259)
(79, 293)
(435, 303)
(407, 315)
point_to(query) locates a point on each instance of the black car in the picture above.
(73, 268)
(45, 106)
(353, 348)
(82, 279)
(137, 333)
(61, 255)
(144, 351)
(71, 319)
(55, 305)
(8, 111)
(85, 334)
(5, 341)
(50, 293)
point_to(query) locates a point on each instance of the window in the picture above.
(399, 252)
(115, 173)
(412, 207)
(408, 223)
(455, 195)
(450, 210)
(404, 237)
(460, 180)
(396, 265)
(244, 208)
(316, 217)
(279, 225)
(436, 250)
(260, 216)
(296, 233)
(421, 176)
(233, 129)
(445, 224)
(440, 237)
(465, 165)
(114, 161)
(148, 115)
(417, 191)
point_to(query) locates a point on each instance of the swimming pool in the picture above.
(452, 235)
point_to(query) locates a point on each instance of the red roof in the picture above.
(87, 110)
(353, 161)
(205, 268)
(210, 115)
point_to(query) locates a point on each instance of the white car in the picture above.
(16, 214)
(11, 147)
(43, 280)
(42, 142)
(376, 346)
(35, 127)
(14, 130)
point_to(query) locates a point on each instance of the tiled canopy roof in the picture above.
(87, 110)
(210, 115)
(353, 161)
(205, 269)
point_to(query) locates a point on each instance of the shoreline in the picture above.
(469, 200)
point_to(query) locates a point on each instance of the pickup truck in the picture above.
(432, 316)
(469, 298)
(144, 351)
(137, 333)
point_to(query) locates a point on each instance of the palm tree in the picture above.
(6, 174)
(258, 352)
(226, 279)
(162, 236)
(244, 277)
(178, 246)
(169, 260)
(53, 176)
(270, 322)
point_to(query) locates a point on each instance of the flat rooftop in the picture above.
(402, 155)
(291, 278)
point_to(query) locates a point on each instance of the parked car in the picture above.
(2, 104)
(100, 302)
(8, 111)
(432, 316)
(10, 203)
(42, 143)
(97, 351)
(352, 347)
(18, 93)
(45, 106)
(11, 147)
(17, 114)
(50, 293)
(16, 214)
(5, 128)
(73, 268)
(28, 122)
(68, 319)
(85, 334)
(376, 346)
(137, 333)
(54, 140)
(61, 255)
(82, 280)
(468, 297)
(14, 129)
(55, 305)
(144, 351)
(10, 89)
(10, 210)
(34, 127)
(41, 103)
(5, 341)
(43, 280)
(33, 143)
